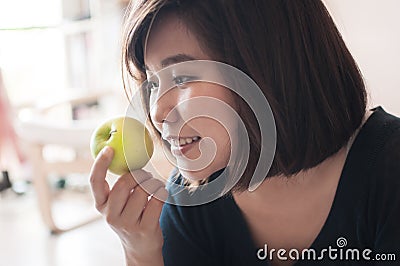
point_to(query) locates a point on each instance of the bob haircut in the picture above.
(291, 49)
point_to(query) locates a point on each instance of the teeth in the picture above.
(184, 141)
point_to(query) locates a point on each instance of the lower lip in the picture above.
(181, 150)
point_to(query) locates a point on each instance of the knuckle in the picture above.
(110, 219)
(123, 183)
(92, 178)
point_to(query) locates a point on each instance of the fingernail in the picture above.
(107, 151)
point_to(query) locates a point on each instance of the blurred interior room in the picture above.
(60, 76)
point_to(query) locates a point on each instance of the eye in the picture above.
(151, 86)
(181, 80)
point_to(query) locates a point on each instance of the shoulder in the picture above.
(370, 189)
(381, 160)
(375, 147)
(384, 186)
(378, 141)
(387, 139)
(387, 166)
(374, 159)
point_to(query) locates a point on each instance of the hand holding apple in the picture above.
(130, 141)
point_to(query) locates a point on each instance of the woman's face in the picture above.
(179, 109)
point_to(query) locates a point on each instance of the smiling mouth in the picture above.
(184, 141)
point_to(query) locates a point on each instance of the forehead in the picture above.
(169, 41)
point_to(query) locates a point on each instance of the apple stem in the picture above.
(112, 132)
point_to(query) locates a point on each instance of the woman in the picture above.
(331, 193)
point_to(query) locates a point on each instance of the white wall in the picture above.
(371, 29)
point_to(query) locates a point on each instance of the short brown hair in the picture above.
(292, 50)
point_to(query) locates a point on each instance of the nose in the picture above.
(163, 108)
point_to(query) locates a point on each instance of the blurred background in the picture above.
(60, 76)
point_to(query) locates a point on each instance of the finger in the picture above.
(151, 214)
(161, 194)
(120, 193)
(151, 185)
(98, 184)
(139, 198)
(140, 175)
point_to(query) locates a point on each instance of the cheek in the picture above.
(215, 131)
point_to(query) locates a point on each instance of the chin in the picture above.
(201, 175)
(195, 176)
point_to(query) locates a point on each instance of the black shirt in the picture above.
(363, 222)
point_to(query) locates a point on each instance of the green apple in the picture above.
(130, 141)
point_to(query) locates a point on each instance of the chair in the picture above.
(37, 133)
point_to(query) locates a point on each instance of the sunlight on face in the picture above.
(193, 116)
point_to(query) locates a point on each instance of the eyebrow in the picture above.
(178, 58)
